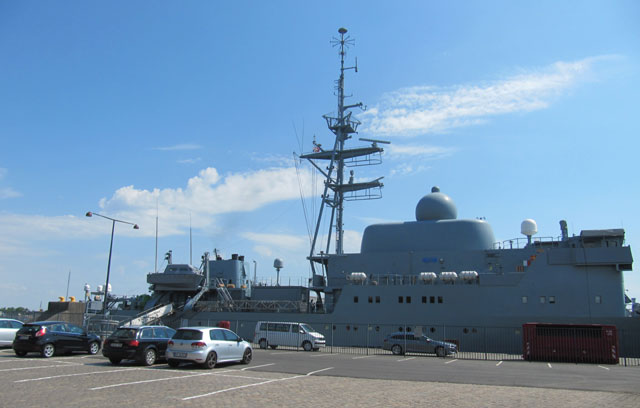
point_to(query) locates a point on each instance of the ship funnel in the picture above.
(528, 228)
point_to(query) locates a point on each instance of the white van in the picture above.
(274, 334)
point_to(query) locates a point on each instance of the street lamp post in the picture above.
(113, 227)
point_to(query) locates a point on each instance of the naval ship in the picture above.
(435, 273)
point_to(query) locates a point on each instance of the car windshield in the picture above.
(186, 334)
(307, 328)
(124, 334)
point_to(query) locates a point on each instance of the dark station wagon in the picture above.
(400, 343)
(51, 337)
(144, 344)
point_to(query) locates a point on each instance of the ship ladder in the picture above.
(223, 292)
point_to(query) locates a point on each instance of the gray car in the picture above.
(207, 346)
(8, 329)
(400, 343)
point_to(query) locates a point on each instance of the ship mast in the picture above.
(336, 191)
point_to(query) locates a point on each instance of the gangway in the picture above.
(149, 316)
(192, 302)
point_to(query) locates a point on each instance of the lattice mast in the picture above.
(336, 191)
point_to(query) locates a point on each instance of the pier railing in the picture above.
(473, 343)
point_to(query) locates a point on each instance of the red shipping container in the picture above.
(576, 343)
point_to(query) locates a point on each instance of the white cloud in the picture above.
(425, 109)
(190, 161)
(184, 146)
(292, 246)
(206, 195)
(8, 192)
(396, 151)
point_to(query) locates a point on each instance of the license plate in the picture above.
(116, 345)
(179, 354)
(24, 337)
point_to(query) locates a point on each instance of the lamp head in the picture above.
(135, 226)
(89, 214)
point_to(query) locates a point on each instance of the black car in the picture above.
(49, 338)
(145, 344)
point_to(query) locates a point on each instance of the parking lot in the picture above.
(295, 378)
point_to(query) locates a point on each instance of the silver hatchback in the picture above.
(207, 346)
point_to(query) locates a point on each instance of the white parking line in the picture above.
(249, 368)
(284, 352)
(355, 358)
(148, 381)
(317, 371)
(322, 355)
(76, 374)
(406, 359)
(240, 387)
(499, 362)
(33, 368)
(549, 364)
(606, 368)
(13, 360)
(253, 385)
(452, 361)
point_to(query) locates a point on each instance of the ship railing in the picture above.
(410, 280)
(519, 243)
(278, 306)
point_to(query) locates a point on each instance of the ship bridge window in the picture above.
(400, 299)
(370, 299)
(432, 299)
(407, 299)
(355, 299)
(377, 299)
(440, 300)
(424, 299)
(598, 299)
(552, 299)
(525, 299)
(543, 299)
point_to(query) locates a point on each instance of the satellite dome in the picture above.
(436, 206)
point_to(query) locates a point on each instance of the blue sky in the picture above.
(194, 110)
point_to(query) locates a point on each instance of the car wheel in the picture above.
(307, 346)
(173, 363)
(396, 349)
(440, 352)
(273, 346)
(248, 355)
(94, 347)
(211, 360)
(263, 343)
(149, 357)
(20, 353)
(48, 350)
(115, 361)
